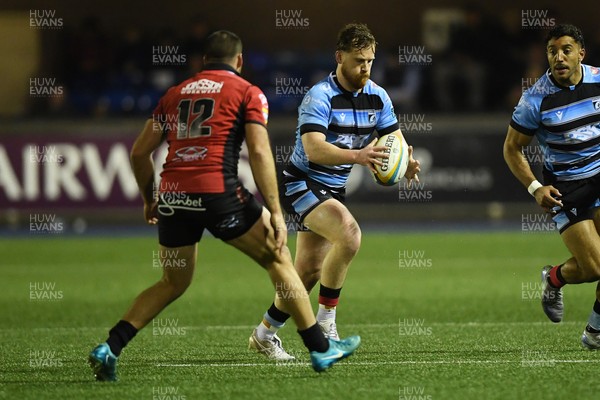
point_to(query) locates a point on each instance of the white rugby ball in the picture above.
(394, 167)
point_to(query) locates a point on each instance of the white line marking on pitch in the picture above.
(373, 363)
(355, 326)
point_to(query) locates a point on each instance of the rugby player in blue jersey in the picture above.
(562, 110)
(338, 123)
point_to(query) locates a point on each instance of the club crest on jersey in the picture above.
(372, 116)
(192, 153)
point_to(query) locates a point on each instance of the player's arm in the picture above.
(319, 151)
(143, 167)
(545, 196)
(263, 171)
(414, 166)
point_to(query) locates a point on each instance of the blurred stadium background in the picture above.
(80, 78)
(79, 81)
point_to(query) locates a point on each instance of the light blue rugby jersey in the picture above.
(348, 120)
(566, 122)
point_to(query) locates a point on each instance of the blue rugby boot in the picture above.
(103, 363)
(338, 350)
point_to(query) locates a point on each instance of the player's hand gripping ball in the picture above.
(394, 167)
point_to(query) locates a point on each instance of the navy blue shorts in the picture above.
(580, 200)
(299, 196)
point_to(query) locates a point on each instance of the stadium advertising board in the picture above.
(93, 172)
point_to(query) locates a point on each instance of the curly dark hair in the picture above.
(566, 30)
(355, 36)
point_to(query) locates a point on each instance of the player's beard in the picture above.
(358, 81)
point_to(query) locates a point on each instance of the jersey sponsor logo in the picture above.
(350, 141)
(582, 134)
(191, 153)
(202, 86)
(181, 201)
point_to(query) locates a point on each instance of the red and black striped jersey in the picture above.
(204, 120)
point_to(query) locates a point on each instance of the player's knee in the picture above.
(352, 238)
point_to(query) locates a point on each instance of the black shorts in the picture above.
(182, 218)
(580, 200)
(300, 195)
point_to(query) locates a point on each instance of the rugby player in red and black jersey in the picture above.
(204, 120)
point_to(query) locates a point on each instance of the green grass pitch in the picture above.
(442, 316)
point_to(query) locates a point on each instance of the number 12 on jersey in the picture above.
(192, 114)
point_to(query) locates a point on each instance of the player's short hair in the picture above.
(221, 46)
(566, 30)
(355, 36)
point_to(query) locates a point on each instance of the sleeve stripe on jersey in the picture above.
(522, 129)
(253, 121)
(313, 128)
(389, 129)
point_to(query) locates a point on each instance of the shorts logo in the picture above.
(596, 103)
(559, 114)
(229, 223)
(192, 153)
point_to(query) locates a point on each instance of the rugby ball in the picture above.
(394, 167)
